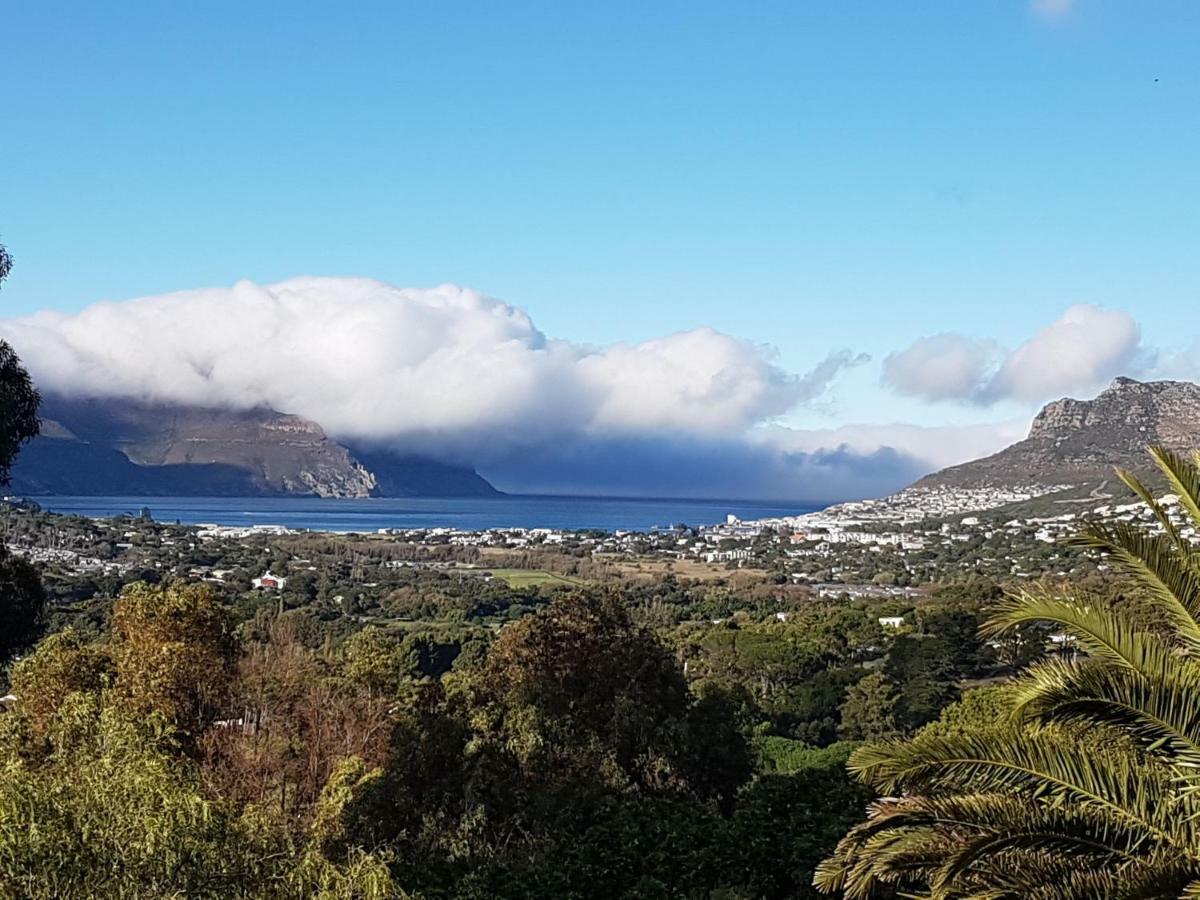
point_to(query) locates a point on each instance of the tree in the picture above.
(63, 664)
(785, 823)
(22, 604)
(715, 759)
(578, 688)
(980, 709)
(22, 600)
(300, 717)
(174, 651)
(424, 655)
(870, 710)
(1018, 648)
(1088, 785)
(19, 400)
(958, 626)
(571, 759)
(372, 659)
(925, 674)
(113, 813)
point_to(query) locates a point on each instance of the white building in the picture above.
(268, 581)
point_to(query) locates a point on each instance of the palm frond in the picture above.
(1091, 786)
(1183, 475)
(1155, 702)
(1047, 765)
(1147, 497)
(1101, 633)
(1153, 560)
(1083, 852)
(954, 844)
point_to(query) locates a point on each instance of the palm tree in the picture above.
(1090, 786)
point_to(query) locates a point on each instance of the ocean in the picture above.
(469, 514)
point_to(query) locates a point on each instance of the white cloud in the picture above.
(447, 369)
(454, 373)
(941, 367)
(1080, 351)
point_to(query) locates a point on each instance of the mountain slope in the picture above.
(1078, 442)
(111, 446)
(407, 476)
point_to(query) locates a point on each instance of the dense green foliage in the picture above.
(22, 598)
(178, 752)
(19, 400)
(110, 809)
(1078, 780)
(22, 604)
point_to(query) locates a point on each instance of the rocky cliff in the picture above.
(1078, 442)
(108, 446)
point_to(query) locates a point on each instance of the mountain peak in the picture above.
(1081, 441)
(1122, 381)
(1124, 384)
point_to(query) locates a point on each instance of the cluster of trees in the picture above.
(183, 751)
(1079, 778)
(103, 787)
(828, 671)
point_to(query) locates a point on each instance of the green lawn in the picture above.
(532, 578)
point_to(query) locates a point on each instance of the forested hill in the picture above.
(1078, 442)
(120, 446)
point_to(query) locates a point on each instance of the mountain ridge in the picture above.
(98, 446)
(1078, 443)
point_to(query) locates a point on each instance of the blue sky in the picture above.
(809, 175)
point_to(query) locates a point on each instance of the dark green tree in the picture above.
(925, 673)
(19, 400)
(784, 822)
(958, 626)
(579, 692)
(22, 605)
(22, 599)
(871, 710)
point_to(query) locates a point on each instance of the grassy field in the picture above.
(683, 568)
(532, 578)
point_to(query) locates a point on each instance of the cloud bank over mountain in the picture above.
(457, 375)
(447, 367)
